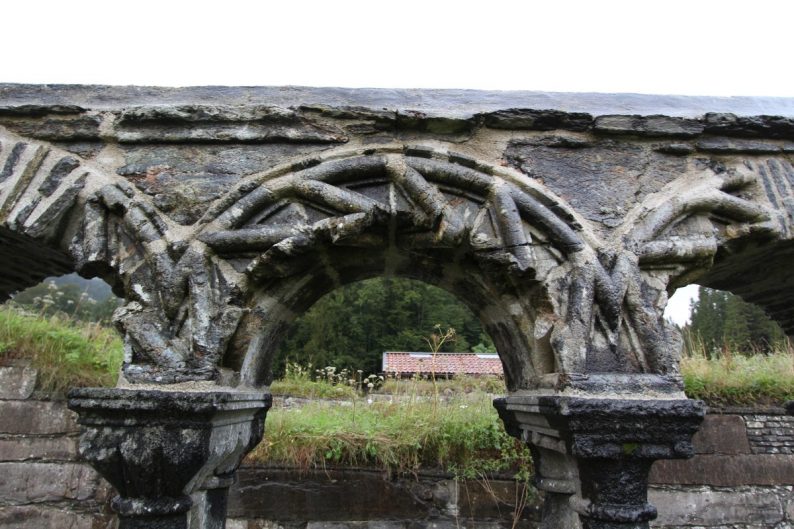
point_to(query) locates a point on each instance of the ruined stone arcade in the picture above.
(563, 221)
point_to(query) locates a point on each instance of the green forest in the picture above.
(722, 322)
(352, 326)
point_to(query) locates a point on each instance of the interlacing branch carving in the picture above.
(187, 287)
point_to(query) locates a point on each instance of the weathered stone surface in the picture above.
(36, 417)
(30, 517)
(16, 382)
(769, 126)
(182, 179)
(721, 434)
(47, 482)
(578, 174)
(705, 507)
(167, 452)
(38, 448)
(726, 470)
(730, 145)
(55, 128)
(529, 119)
(606, 445)
(770, 433)
(221, 123)
(288, 495)
(648, 126)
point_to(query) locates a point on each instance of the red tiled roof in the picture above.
(454, 363)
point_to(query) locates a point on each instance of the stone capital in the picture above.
(592, 455)
(158, 447)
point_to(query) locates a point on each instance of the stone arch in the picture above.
(472, 229)
(37, 187)
(376, 205)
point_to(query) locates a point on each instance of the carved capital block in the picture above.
(592, 455)
(158, 447)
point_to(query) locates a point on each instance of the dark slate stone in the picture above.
(12, 160)
(83, 149)
(221, 123)
(414, 120)
(528, 119)
(184, 178)
(55, 127)
(648, 126)
(728, 145)
(676, 149)
(766, 126)
(34, 110)
(61, 170)
(578, 174)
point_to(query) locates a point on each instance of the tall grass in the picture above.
(423, 386)
(461, 435)
(298, 382)
(66, 353)
(726, 378)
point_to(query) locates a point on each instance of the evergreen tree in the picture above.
(720, 319)
(352, 326)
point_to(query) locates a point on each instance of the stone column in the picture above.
(170, 455)
(592, 455)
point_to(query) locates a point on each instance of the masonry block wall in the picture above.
(741, 475)
(741, 478)
(42, 483)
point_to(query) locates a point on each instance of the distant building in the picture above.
(444, 364)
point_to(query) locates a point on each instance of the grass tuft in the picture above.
(740, 380)
(66, 353)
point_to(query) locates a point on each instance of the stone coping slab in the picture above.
(452, 102)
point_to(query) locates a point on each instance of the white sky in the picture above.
(672, 46)
(691, 47)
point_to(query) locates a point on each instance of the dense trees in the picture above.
(352, 326)
(721, 320)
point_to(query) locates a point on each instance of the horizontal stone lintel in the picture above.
(725, 470)
(26, 482)
(747, 507)
(34, 417)
(23, 448)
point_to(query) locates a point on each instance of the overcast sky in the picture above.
(691, 47)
